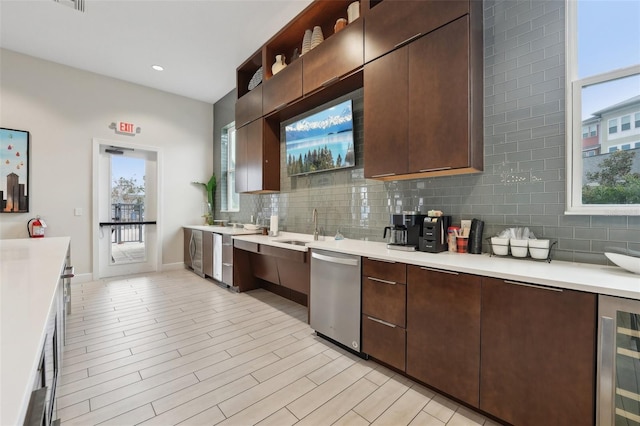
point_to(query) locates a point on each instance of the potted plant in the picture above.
(210, 189)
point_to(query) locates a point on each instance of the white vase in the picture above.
(278, 65)
(306, 42)
(353, 11)
(316, 37)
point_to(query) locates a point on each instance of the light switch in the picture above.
(77, 211)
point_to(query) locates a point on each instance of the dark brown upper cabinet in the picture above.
(393, 23)
(335, 57)
(423, 105)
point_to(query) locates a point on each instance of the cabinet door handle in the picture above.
(606, 370)
(383, 175)
(330, 81)
(409, 40)
(381, 260)
(559, 290)
(279, 107)
(378, 280)
(444, 271)
(69, 272)
(227, 264)
(435, 169)
(388, 324)
(227, 244)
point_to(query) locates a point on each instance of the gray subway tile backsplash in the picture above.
(523, 182)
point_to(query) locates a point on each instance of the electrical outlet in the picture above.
(77, 211)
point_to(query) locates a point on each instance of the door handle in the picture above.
(339, 260)
(606, 359)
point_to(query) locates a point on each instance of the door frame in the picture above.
(95, 226)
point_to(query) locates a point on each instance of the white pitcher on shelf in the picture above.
(278, 65)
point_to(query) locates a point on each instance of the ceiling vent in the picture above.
(74, 4)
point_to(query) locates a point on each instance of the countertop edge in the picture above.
(23, 390)
(591, 278)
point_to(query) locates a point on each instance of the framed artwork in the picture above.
(14, 171)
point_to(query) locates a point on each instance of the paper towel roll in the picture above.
(274, 225)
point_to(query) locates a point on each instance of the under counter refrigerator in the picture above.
(618, 362)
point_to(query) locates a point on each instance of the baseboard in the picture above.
(82, 278)
(172, 266)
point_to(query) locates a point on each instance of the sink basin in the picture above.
(292, 242)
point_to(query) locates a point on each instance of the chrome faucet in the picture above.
(315, 225)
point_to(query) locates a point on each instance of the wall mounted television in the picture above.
(321, 141)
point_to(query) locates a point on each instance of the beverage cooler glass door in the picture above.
(619, 362)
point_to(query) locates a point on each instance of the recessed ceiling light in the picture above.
(157, 67)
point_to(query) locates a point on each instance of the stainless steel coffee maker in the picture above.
(405, 231)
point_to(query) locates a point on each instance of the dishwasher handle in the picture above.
(340, 260)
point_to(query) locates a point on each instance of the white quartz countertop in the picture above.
(226, 230)
(609, 280)
(29, 272)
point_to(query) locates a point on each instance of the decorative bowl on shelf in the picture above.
(626, 259)
(256, 79)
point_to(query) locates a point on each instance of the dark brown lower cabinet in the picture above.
(384, 341)
(538, 354)
(443, 331)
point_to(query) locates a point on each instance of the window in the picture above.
(589, 131)
(230, 199)
(625, 123)
(637, 145)
(603, 88)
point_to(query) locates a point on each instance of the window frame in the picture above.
(227, 205)
(573, 129)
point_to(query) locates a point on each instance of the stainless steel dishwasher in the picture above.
(335, 297)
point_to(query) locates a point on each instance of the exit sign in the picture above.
(128, 128)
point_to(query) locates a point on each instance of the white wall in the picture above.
(64, 108)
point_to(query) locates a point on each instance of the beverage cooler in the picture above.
(618, 362)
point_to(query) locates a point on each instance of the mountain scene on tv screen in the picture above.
(322, 141)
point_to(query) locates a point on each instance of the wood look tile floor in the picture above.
(173, 348)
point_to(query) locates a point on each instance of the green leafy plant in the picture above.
(210, 189)
(614, 183)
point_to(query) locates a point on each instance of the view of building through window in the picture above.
(606, 95)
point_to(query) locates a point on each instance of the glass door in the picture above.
(126, 192)
(619, 362)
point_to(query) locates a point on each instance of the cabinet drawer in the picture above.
(282, 88)
(384, 342)
(337, 56)
(384, 300)
(245, 245)
(392, 23)
(389, 271)
(249, 107)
